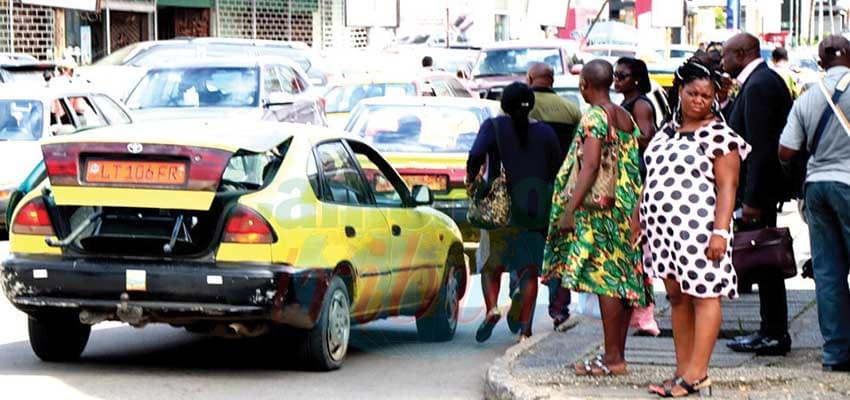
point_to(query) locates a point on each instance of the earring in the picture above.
(677, 116)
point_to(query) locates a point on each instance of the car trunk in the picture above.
(146, 200)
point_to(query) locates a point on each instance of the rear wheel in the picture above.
(439, 322)
(58, 337)
(324, 347)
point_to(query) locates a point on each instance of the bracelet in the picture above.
(722, 233)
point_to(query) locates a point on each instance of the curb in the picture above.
(500, 384)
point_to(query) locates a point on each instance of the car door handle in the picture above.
(396, 230)
(350, 232)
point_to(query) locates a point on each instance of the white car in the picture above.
(29, 113)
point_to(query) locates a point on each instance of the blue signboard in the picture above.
(733, 14)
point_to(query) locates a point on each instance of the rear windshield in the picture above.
(503, 62)
(197, 87)
(344, 98)
(21, 120)
(417, 129)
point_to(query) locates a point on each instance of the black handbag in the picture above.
(767, 252)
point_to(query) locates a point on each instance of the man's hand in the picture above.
(716, 248)
(751, 215)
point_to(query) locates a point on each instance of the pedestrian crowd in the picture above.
(603, 203)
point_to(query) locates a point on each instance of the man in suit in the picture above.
(759, 113)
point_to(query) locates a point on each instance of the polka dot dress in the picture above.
(677, 209)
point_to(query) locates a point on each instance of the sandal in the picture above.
(486, 328)
(663, 387)
(596, 367)
(702, 386)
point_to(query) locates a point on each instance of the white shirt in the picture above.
(748, 70)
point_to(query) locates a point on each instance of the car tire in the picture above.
(58, 337)
(324, 346)
(439, 322)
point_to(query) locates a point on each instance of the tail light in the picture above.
(247, 226)
(61, 164)
(33, 219)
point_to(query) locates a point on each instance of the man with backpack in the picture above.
(818, 125)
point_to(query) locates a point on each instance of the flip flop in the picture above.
(486, 328)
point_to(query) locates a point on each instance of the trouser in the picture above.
(829, 229)
(773, 301)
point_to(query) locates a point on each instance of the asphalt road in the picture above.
(385, 360)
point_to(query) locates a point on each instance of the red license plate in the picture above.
(136, 172)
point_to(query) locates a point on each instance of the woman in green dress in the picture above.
(593, 250)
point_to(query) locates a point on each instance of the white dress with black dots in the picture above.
(677, 209)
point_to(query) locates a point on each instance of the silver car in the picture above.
(263, 89)
(29, 113)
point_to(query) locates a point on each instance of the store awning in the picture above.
(85, 5)
(185, 3)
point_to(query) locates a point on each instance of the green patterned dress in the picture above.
(598, 257)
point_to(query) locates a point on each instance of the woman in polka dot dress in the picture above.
(685, 219)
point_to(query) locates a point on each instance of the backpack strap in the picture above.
(827, 114)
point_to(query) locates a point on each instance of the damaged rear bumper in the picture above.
(174, 292)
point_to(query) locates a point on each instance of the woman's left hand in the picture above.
(567, 222)
(716, 248)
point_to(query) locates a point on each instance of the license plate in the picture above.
(437, 183)
(136, 172)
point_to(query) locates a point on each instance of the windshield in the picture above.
(21, 120)
(344, 98)
(419, 129)
(504, 62)
(197, 87)
(118, 57)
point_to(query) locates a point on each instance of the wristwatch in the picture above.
(722, 233)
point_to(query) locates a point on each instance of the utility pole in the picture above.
(595, 20)
(108, 30)
(11, 28)
(253, 19)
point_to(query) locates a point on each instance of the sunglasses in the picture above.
(621, 75)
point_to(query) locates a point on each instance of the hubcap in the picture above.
(451, 298)
(339, 326)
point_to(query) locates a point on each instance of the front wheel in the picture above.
(58, 337)
(439, 322)
(325, 345)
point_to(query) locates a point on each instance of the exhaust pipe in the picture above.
(239, 330)
(92, 318)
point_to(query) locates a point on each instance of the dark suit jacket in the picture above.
(758, 115)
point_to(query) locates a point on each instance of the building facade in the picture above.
(91, 29)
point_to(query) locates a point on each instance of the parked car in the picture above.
(265, 88)
(610, 52)
(505, 62)
(229, 227)
(29, 113)
(121, 70)
(427, 139)
(342, 97)
(26, 71)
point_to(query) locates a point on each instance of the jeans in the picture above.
(773, 301)
(829, 229)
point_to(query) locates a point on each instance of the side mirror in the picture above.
(58, 130)
(279, 99)
(422, 195)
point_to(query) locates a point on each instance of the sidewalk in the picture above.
(541, 368)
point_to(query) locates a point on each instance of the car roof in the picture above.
(229, 134)
(426, 101)
(227, 62)
(521, 44)
(28, 90)
(365, 77)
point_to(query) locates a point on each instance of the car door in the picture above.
(274, 90)
(304, 107)
(356, 228)
(415, 245)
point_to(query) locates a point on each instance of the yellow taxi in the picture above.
(342, 97)
(232, 228)
(428, 140)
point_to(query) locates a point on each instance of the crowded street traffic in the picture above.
(500, 198)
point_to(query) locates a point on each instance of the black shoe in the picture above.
(841, 367)
(747, 338)
(764, 346)
(486, 328)
(514, 312)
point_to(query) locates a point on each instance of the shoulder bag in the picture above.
(603, 194)
(490, 205)
(763, 252)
